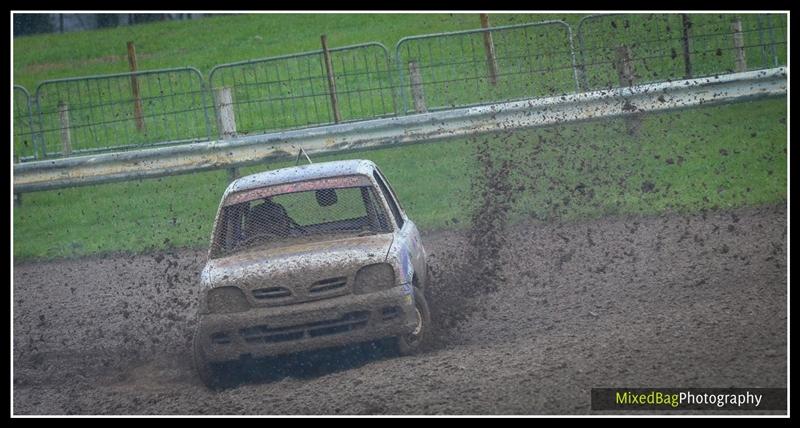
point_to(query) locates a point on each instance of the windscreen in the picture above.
(304, 216)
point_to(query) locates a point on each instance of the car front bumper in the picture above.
(267, 331)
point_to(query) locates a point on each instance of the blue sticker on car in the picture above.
(406, 269)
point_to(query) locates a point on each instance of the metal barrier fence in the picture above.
(425, 73)
(622, 49)
(121, 111)
(461, 68)
(296, 91)
(25, 147)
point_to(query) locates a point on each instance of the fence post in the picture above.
(627, 77)
(226, 120)
(417, 92)
(583, 79)
(137, 99)
(38, 138)
(687, 34)
(772, 40)
(488, 44)
(738, 44)
(63, 118)
(625, 66)
(17, 196)
(337, 117)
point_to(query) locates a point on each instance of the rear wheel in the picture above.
(412, 342)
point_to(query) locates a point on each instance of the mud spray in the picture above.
(472, 265)
(493, 197)
(512, 181)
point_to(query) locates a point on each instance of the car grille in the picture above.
(265, 334)
(271, 293)
(327, 285)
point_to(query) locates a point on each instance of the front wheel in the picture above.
(412, 342)
(210, 373)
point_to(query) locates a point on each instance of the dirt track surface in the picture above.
(672, 301)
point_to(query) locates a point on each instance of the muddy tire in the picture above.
(209, 373)
(411, 343)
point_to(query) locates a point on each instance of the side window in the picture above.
(388, 195)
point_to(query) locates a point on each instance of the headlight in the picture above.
(224, 300)
(371, 278)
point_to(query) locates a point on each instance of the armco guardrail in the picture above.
(86, 170)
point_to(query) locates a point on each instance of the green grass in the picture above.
(681, 161)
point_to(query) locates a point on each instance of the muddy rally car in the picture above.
(309, 257)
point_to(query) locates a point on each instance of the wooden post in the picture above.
(66, 140)
(625, 66)
(738, 44)
(488, 44)
(627, 77)
(687, 49)
(337, 117)
(137, 100)
(226, 120)
(417, 92)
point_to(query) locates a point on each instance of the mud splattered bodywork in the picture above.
(334, 260)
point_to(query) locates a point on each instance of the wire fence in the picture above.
(121, 111)
(660, 47)
(294, 91)
(24, 144)
(446, 70)
(431, 72)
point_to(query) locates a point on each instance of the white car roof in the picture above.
(301, 173)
